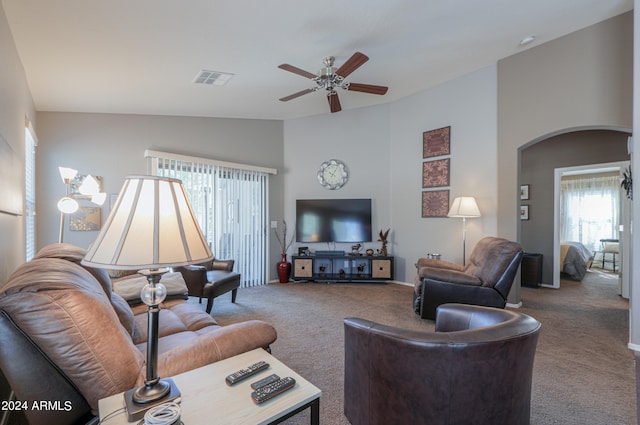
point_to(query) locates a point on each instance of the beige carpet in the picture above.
(583, 373)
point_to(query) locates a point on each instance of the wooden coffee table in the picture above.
(207, 399)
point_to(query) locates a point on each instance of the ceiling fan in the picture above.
(330, 78)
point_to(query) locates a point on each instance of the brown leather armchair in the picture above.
(66, 337)
(485, 280)
(211, 279)
(476, 368)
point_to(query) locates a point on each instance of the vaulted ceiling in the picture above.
(142, 56)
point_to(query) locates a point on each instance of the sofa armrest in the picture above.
(441, 264)
(195, 276)
(213, 343)
(226, 265)
(450, 276)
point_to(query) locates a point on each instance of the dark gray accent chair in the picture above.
(475, 369)
(485, 280)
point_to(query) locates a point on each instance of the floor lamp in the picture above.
(151, 227)
(88, 188)
(464, 207)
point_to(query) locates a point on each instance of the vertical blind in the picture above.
(30, 192)
(230, 202)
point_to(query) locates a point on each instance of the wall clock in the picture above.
(333, 174)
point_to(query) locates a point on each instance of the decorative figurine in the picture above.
(383, 239)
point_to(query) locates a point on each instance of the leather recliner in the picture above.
(211, 279)
(475, 369)
(485, 280)
(69, 340)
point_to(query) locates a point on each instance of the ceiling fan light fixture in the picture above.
(330, 78)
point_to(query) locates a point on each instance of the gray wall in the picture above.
(537, 165)
(112, 146)
(579, 81)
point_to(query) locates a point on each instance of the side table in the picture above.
(208, 400)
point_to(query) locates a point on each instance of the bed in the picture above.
(575, 259)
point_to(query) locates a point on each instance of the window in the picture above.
(230, 202)
(589, 209)
(30, 192)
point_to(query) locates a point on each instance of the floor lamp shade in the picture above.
(464, 207)
(151, 226)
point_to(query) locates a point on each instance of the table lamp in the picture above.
(151, 228)
(464, 207)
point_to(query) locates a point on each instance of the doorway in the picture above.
(622, 220)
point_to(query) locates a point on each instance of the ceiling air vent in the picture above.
(212, 78)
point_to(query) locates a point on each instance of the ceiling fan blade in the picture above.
(297, 70)
(334, 102)
(294, 95)
(354, 62)
(368, 88)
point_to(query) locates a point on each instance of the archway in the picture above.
(537, 162)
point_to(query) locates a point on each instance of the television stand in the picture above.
(330, 253)
(342, 268)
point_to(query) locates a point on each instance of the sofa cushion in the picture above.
(125, 315)
(129, 288)
(75, 254)
(175, 316)
(490, 258)
(119, 274)
(69, 317)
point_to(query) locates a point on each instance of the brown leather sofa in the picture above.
(475, 369)
(485, 280)
(211, 279)
(68, 338)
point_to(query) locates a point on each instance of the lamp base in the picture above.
(149, 398)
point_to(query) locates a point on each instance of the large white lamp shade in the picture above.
(151, 226)
(464, 207)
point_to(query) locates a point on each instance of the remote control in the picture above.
(247, 372)
(263, 394)
(261, 383)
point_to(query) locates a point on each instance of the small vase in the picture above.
(284, 269)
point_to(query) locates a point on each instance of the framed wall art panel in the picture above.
(435, 203)
(436, 142)
(435, 173)
(86, 219)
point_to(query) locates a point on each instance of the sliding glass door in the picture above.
(231, 206)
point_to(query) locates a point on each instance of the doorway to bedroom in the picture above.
(591, 213)
(538, 162)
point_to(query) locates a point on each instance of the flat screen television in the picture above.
(333, 220)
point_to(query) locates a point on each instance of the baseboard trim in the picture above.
(634, 347)
(397, 282)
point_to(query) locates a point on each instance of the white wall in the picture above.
(358, 137)
(468, 105)
(382, 147)
(16, 106)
